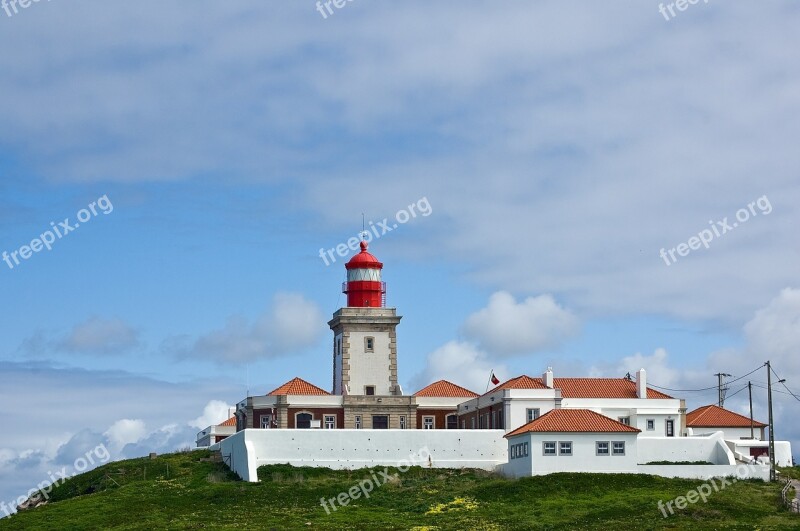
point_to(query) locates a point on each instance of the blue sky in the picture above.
(560, 146)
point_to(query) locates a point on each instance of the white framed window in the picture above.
(651, 424)
(330, 422)
(463, 424)
(472, 422)
(369, 344)
(625, 420)
(514, 451)
(618, 448)
(266, 422)
(494, 420)
(565, 448)
(402, 422)
(549, 448)
(525, 449)
(428, 423)
(532, 413)
(670, 428)
(602, 448)
(358, 422)
(451, 422)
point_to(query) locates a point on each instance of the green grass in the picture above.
(178, 491)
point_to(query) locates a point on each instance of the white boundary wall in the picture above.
(352, 449)
(740, 471)
(711, 448)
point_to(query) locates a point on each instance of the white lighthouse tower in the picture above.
(365, 338)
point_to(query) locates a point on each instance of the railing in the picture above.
(792, 504)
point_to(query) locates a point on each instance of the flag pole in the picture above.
(491, 373)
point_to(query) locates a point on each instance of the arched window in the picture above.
(452, 422)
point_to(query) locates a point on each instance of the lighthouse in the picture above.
(364, 287)
(364, 332)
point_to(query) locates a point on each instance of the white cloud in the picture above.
(506, 327)
(126, 431)
(100, 336)
(292, 324)
(461, 363)
(215, 412)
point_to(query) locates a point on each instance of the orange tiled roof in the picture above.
(716, 417)
(520, 382)
(445, 389)
(573, 421)
(582, 387)
(298, 386)
(230, 422)
(601, 388)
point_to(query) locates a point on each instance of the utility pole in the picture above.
(721, 390)
(771, 425)
(750, 392)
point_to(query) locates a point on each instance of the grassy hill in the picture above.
(184, 491)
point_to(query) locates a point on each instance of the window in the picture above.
(369, 390)
(303, 420)
(602, 448)
(330, 422)
(670, 428)
(651, 424)
(500, 424)
(549, 448)
(369, 344)
(525, 449)
(358, 422)
(463, 424)
(494, 419)
(452, 422)
(533, 413)
(565, 448)
(427, 423)
(514, 451)
(380, 422)
(625, 420)
(619, 448)
(472, 422)
(402, 422)
(266, 422)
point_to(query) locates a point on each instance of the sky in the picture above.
(593, 187)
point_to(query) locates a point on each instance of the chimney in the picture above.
(547, 378)
(231, 412)
(641, 383)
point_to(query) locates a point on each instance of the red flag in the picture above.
(494, 379)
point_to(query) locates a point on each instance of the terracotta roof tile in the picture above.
(520, 382)
(298, 386)
(601, 388)
(583, 387)
(716, 417)
(445, 389)
(230, 422)
(573, 421)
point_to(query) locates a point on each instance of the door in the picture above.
(380, 422)
(303, 421)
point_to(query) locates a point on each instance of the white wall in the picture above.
(370, 368)
(740, 471)
(711, 448)
(352, 449)
(730, 433)
(783, 449)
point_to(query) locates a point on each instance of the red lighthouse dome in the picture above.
(364, 287)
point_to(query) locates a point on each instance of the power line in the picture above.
(706, 388)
